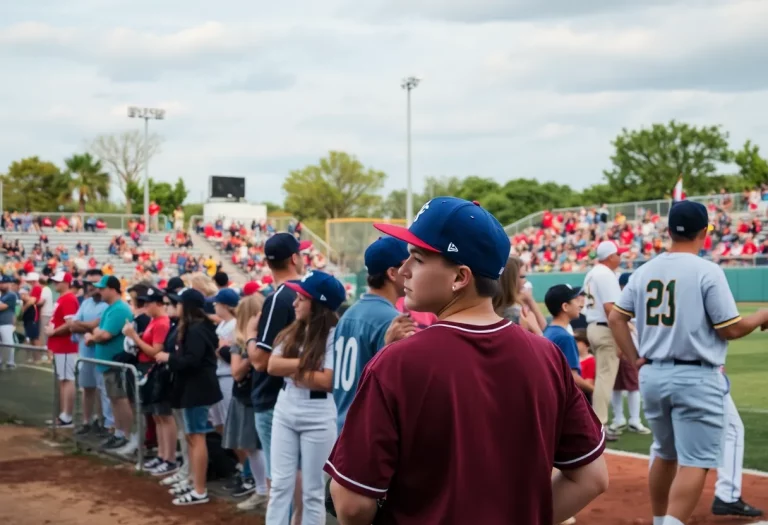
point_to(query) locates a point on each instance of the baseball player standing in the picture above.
(685, 315)
(463, 421)
(601, 288)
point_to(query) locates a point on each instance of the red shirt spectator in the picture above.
(546, 219)
(37, 294)
(155, 334)
(100, 225)
(29, 266)
(626, 237)
(708, 243)
(65, 305)
(749, 248)
(588, 367)
(154, 209)
(376, 458)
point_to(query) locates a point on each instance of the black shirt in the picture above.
(276, 314)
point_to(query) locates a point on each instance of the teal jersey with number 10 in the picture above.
(679, 300)
(358, 336)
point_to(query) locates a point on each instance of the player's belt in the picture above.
(314, 394)
(681, 362)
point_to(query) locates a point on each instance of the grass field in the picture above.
(747, 368)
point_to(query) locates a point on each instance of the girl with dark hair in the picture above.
(195, 387)
(304, 424)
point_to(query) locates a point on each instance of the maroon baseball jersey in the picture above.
(462, 424)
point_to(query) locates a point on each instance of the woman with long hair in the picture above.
(195, 387)
(240, 428)
(514, 302)
(304, 424)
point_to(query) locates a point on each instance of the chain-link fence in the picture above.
(350, 238)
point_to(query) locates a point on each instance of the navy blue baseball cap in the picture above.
(385, 253)
(321, 287)
(281, 246)
(228, 297)
(624, 279)
(687, 218)
(459, 230)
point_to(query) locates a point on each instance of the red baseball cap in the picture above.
(250, 288)
(62, 277)
(267, 279)
(305, 245)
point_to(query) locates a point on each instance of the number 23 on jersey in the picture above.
(345, 365)
(658, 294)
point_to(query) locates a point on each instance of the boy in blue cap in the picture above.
(470, 398)
(362, 329)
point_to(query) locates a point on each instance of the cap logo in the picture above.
(422, 210)
(322, 297)
(150, 292)
(452, 247)
(680, 228)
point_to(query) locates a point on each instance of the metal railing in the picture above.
(114, 221)
(139, 381)
(54, 385)
(280, 224)
(632, 210)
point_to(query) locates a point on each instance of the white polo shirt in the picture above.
(601, 286)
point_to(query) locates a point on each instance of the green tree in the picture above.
(647, 162)
(338, 186)
(753, 168)
(87, 180)
(32, 184)
(125, 156)
(165, 195)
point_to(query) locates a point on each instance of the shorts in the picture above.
(158, 409)
(196, 420)
(86, 377)
(626, 378)
(32, 330)
(685, 408)
(115, 384)
(65, 366)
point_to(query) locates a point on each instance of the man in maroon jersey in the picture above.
(463, 422)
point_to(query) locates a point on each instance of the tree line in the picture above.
(84, 182)
(645, 165)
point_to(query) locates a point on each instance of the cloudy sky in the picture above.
(511, 88)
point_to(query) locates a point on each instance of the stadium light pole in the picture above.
(408, 85)
(146, 114)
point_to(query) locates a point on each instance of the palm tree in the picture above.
(87, 179)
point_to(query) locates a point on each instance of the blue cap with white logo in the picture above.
(687, 218)
(385, 253)
(460, 231)
(321, 287)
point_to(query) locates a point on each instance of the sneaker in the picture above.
(84, 430)
(255, 502)
(164, 468)
(173, 480)
(248, 486)
(639, 429)
(11, 366)
(181, 488)
(113, 442)
(130, 447)
(190, 498)
(737, 508)
(149, 464)
(234, 482)
(610, 435)
(617, 427)
(60, 423)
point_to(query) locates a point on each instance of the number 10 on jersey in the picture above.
(346, 364)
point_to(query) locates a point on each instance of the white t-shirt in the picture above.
(327, 362)
(225, 330)
(47, 296)
(601, 286)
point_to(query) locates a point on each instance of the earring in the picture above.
(453, 288)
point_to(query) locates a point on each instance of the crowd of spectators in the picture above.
(567, 241)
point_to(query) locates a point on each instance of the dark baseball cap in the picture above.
(152, 295)
(191, 298)
(174, 284)
(687, 218)
(624, 278)
(459, 230)
(385, 253)
(559, 294)
(281, 246)
(108, 281)
(228, 297)
(321, 287)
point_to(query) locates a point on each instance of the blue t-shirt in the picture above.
(566, 343)
(112, 320)
(89, 310)
(8, 316)
(358, 336)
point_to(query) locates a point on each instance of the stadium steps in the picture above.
(235, 273)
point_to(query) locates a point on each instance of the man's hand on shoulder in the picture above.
(401, 327)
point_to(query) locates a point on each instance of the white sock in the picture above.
(671, 520)
(204, 494)
(633, 400)
(66, 418)
(617, 403)
(658, 520)
(259, 470)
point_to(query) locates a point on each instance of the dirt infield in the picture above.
(41, 485)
